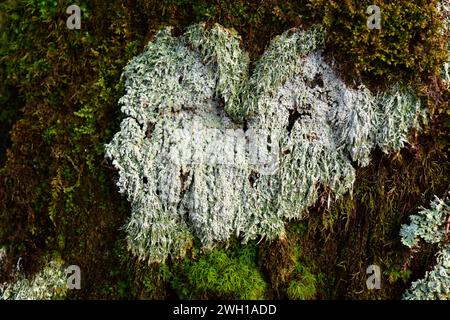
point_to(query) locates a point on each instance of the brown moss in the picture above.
(277, 262)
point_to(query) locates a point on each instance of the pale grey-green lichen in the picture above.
(48, 284)
(185, 95)
(399, 110)
(177, 83)
(429, 225)
(436, 283)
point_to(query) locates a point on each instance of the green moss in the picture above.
(395, 273)
(221, 274)
(277, 261)
(288, 268)
(406, 46)
(303, 282)
(303, 289)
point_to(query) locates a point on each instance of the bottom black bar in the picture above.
(192, 310)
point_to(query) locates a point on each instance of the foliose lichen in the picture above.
(429, 225)
(50, 283)
(208, 151)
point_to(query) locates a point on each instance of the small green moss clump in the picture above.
(222, 274)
